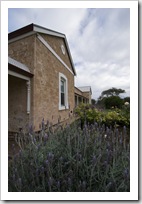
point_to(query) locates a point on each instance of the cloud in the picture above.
(99, 41)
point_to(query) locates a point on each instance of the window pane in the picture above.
(62, 86)
(62, 99)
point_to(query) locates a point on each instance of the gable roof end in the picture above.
(32, 29)
(85, 89)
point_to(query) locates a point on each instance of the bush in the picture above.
(114, 117)
(113, 101)
(91, 159)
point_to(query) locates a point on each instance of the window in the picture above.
(63, 49)
(63, 92)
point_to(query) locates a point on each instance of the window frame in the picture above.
(62, 77)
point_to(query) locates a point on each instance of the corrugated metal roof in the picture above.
(85, 89)
(18, 64)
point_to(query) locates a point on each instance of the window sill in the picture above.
(63, 108)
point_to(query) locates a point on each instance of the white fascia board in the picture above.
(49, 32)
(21, 37)
(12, 73)
(70, 55)
(53, 52)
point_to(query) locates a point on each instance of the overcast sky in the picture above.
(99, 41)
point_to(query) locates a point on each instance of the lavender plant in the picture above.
(94, 158)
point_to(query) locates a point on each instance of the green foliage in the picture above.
(115, 116)
(110, 98)
(112, 92)
(93, 101)
(127, 99)
(113, 101)
(91, 159)
(101, 102)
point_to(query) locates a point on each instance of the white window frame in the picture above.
(63, 77)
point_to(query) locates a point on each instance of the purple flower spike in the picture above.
(14, 177)
(42, 169)
(38, 147)
(124, 129)
(120, 140)
(58, 184)
(50, 182)
(94, 160)
(105, 163)
(83, 185)
(69, 181)
(37, 172)
(31, 129)
(47, 162)
(42, 124)
(50, 156)
(109, 185)
(126, 173)
(20, 181)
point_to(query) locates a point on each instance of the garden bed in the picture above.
(93, 158)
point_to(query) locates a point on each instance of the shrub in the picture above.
(91, 159)
(114, 117)
(113, 101)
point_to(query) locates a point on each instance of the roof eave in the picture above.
(19, 71)
(32, 29)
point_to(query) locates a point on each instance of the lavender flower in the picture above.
(14, 177)
(42, 124)
(96, 124)
(31, 129)
(38, 147)
(50, 156)
(58, 185)
(47, 163)
(37, 172)
(120, 140)
(83, 185)
(20, 181)
(126, 173)
(108, 186)
(45, 137)
(61, 159)
(117, 132)
(78, 157)
(34, 139)
(19, 184)
(50, 182)
(105, 163)
(94, 160)
(42, 169)
(124, 129)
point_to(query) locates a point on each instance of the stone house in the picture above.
(82, 95)
(40, 78)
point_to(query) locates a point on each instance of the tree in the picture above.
(113, 101)
(127, 99)
(112, 92)
(101, 102)
(93, 101)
